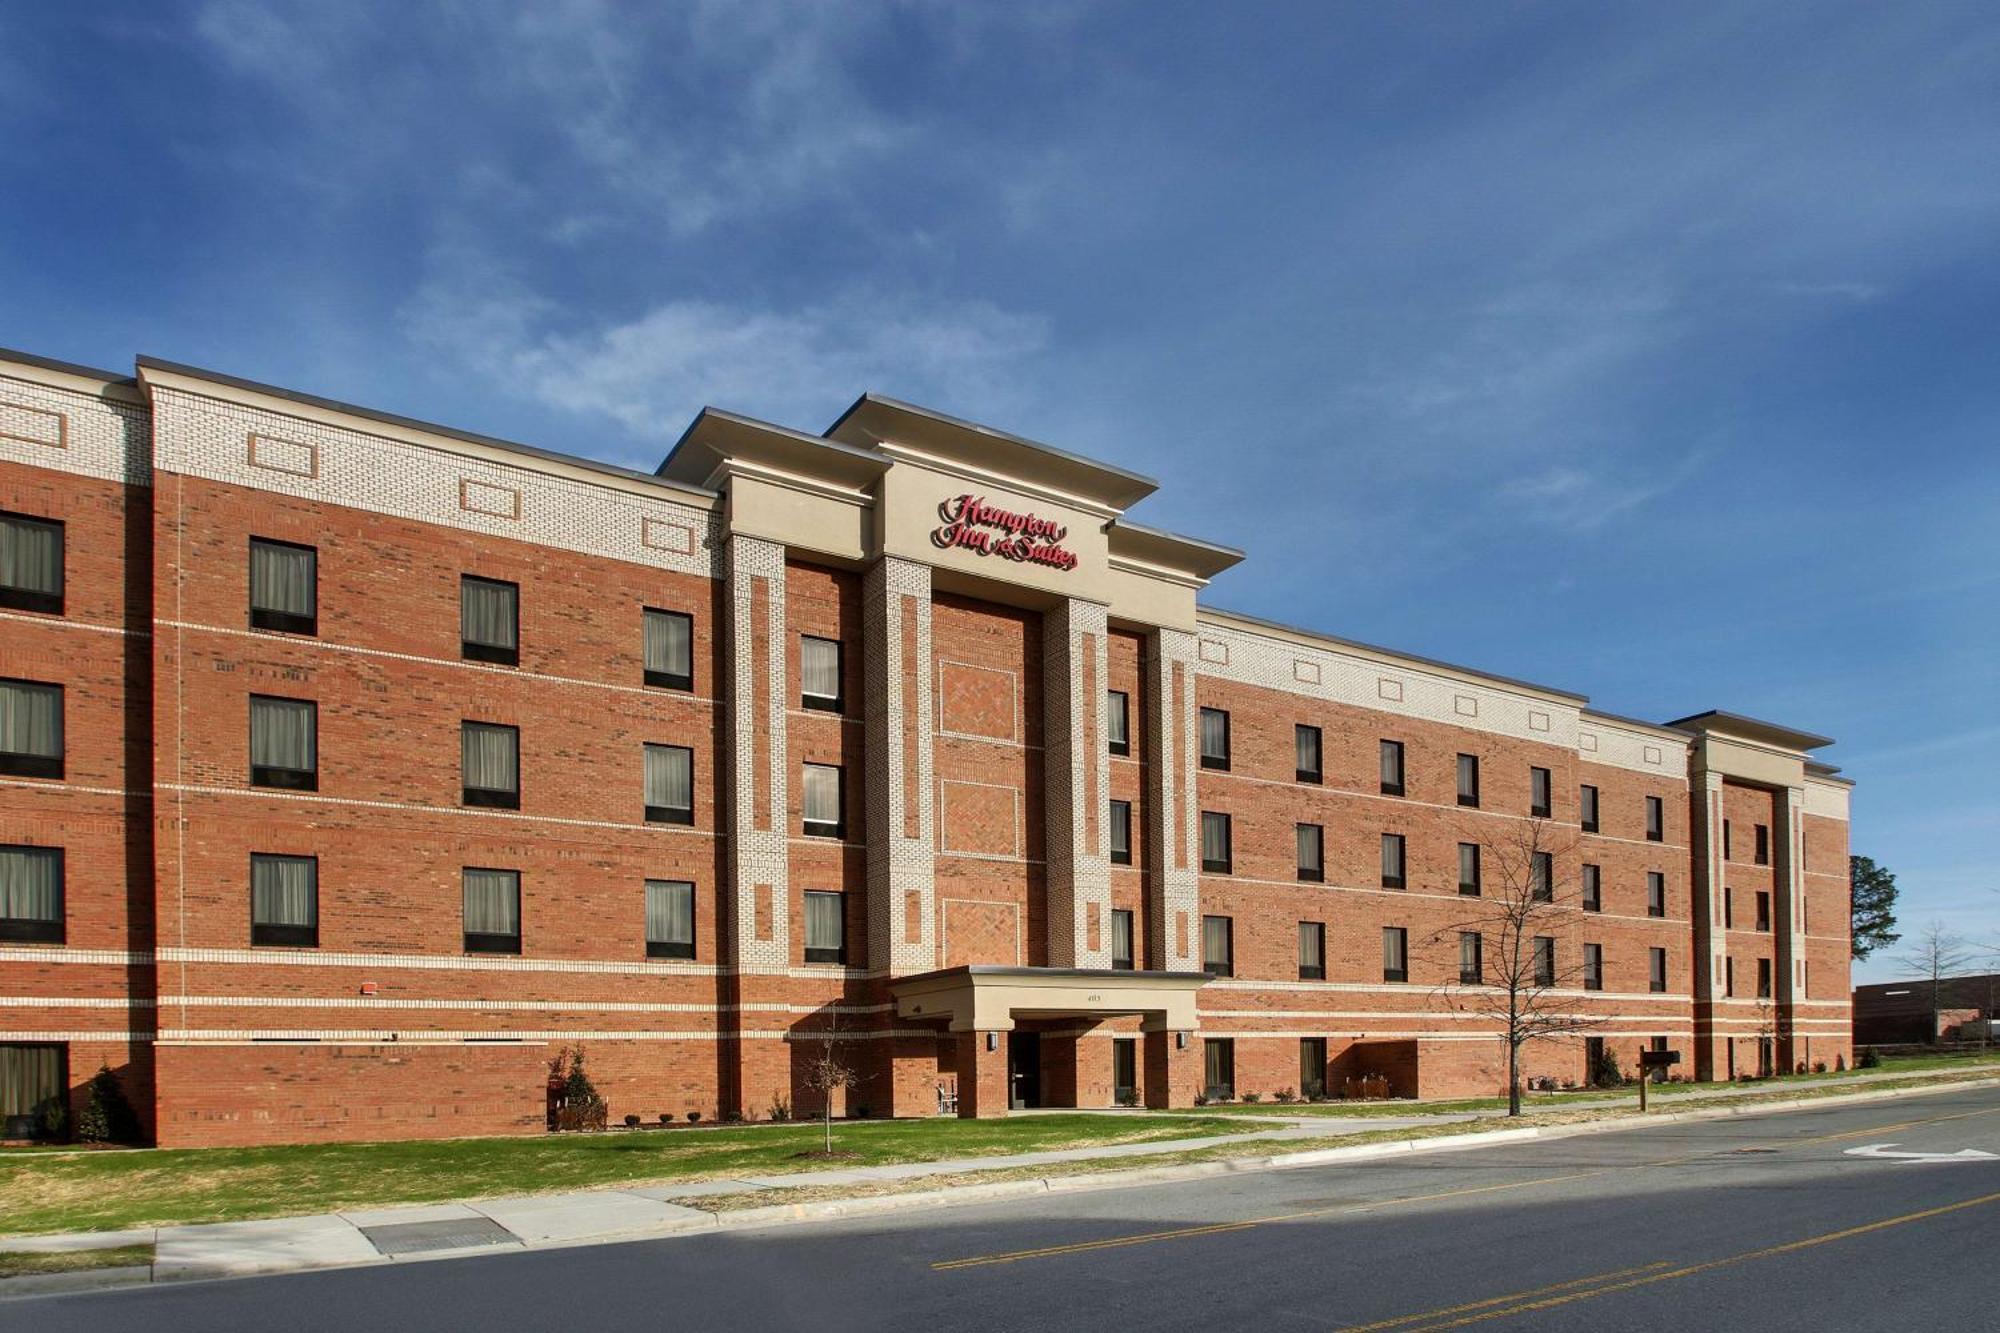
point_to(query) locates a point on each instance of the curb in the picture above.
(775, 1215)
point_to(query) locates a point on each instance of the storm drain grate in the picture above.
(454, 1234)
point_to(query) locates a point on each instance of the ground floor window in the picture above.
(1219, 1069)
(1125, 1071)
(34, 1091)
(1312, 1066)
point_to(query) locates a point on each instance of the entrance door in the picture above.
(1024, 1069)
(1125, 1071)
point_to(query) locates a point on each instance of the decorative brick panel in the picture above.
(896, 646)
(1172, 816)
(1076, 772)
(754, 674)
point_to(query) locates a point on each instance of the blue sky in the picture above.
(1648, 351)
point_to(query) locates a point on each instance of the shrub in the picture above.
(1819, 1066)
(693, 1116)
(1201, 1099)
(631, 1122)
(666, 1117)
(781, 1110)
(1868, 1059)
(107, 1117)
(1128, 1097)
(1604, 1073)
(1252, 1098)
(1283, 1095)
(576, 1104)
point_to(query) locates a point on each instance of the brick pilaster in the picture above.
(754, 666)
(1076, 774)
(1173, 839)
(896, 632)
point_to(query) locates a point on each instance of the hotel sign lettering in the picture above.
(971, 524)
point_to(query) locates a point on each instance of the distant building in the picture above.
(1894, 1013)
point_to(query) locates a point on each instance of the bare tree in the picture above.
(1516, 970)
(829, 1072)
(1938, 953)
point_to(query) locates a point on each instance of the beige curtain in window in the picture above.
(492, 902)
(281, 578)
(282, 734)
(31, 556)
(30, 884)
(669, 911)
(284, 891)
(31, 719)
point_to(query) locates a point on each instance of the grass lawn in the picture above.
(86, 1191)
(18, 1264)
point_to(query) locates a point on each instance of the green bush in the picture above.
(107, 1117)
(1868, 1060)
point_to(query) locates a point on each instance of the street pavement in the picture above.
(1792, 1220)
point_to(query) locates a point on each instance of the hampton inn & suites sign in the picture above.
(971, 524)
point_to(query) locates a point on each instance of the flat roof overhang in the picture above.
(984, 998)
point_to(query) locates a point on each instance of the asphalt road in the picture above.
(1764, 1223)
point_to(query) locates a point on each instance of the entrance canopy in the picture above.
(989, 998)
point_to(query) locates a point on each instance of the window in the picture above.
(1121, 939)
(1392, 768)
(1471, 958)
(1728, 907)
(1468, 869)
(1305, 741)
(31, 895)
(1312, 866)
(1542, 877)
(669, 918)
(1593, 967)
(669, 784)
(1215, 855)
(819, 674)
(492, 910)
(1763, 978)
(1729, 976)
(1312, 1067)
(1392, 860)
(1395, 953)
(1121, 833)
(1218, 946)
(490, 762)
(1545, 960)
(1468, 780)
(1118, 720)
(284, 743)
(1312, 951)
(823, 806)
(1538, 793)
(1125, 1071)
(1593, 889)
(1587, 803)
(1656, 893)
(826, 926)
(31, 729)
(1727, 838)
(1214, 738)
(1218, 1067)
(31, 564)
(1763, 910)
(1656, 970)
(34, 1090)
(669, 649)
(489, 620)
(1656, 819)
(284, 586)
(1761, 852)
(284, 900)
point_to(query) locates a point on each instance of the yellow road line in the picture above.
(1507, 1300)
(1646, 1279)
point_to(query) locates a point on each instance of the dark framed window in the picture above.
(490, 764)
(31, 894)
(1392, 768)
(1121, 939)
(1761, 851)
(669, 784)
(1763, 978)
(819, 674)
(1118, 721)
(1545, 960)
(1125, 1071)
(1656, 893)
(1218, 1069)
(826, 926)
(1539, 798)
(1763, 910)
(1728, 906)
(1312, 951)
(669, 649)
(1656, 819)
(284, 900)
(1593, 888)
(1469, 879)
(1468, 780)
(1593, 967)
(1471, 958)
(1729, 976)
(1392, 861)
(31, 563)
(1218, 946)
(1587, 805)
(284, 586)
(492, 910)
(489, 620)
(34, 1090)
(1215, 739)
(1306, 743)
(1312, 853)
(1216, 853)
(284, 743)
(1312, 1067)
(31, 729)
(1728, 838)
(1656, 970)
(825, 786)
(669, 918)
(1121, 833)
(1395, 953)
(1542, 876)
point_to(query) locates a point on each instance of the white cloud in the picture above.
(1583, 499)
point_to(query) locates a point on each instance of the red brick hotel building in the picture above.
(351, 767)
